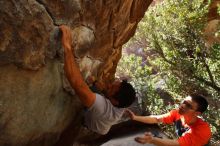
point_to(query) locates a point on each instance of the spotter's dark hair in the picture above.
(201, 102)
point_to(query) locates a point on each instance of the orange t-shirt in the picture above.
(198, 134)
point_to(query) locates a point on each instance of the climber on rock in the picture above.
(101, 112)
(190, 128)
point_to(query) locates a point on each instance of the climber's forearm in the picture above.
(76, 80)
(72, 71)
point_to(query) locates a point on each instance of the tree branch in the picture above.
(208, 83)
(159, 50)
(209, 71)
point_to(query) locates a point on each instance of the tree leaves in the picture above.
(171, 34)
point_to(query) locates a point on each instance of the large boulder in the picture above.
(35, 102)
(210, 31)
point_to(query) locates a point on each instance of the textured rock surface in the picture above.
(34, 107)
(123, 134)
(213, 24)
(210, 32)
(213, 14)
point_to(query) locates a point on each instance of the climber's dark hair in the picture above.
(126, 94)
(201, 102)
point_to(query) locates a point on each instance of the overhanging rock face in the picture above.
(212, 27)
(34, 107)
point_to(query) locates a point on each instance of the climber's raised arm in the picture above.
(119, 94)
(72, 71)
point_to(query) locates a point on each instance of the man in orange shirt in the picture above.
(191, 130)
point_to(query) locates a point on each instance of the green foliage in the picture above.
(143, 80)
(172, 32)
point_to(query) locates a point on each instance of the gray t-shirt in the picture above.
(102, 115)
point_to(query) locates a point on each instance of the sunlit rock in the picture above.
(35, 103)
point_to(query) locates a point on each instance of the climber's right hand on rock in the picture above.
(66, 37)
(90, 80)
